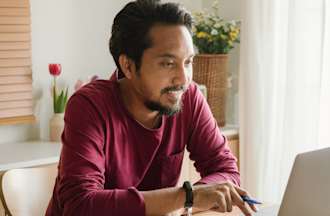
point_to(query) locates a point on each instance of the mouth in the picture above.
(174, 96)
(174, 89)
(174, 93)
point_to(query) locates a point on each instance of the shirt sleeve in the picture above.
(82, 166)
(208, 147)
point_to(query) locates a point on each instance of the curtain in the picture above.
(284, 89)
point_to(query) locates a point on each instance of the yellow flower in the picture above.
(233, 35)
(211, 30)
(202, 35)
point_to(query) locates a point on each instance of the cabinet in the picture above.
(188, 171)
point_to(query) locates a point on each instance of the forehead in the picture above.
(174, 39)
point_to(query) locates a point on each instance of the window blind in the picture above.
(16, 103)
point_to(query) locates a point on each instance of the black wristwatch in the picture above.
(189, 197)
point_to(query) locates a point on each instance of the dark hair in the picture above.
(131, 27)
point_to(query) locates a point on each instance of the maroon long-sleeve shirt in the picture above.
(108, 157)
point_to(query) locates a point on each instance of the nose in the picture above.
(183, 76)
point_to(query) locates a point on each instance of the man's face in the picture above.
(166, 69)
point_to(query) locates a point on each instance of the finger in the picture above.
(246, 210)
(242, 192)
(253, 207)
(227, 194)
(229, 202)
(237, 200)
(235, 197)
(221, 201)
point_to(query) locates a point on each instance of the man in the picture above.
(124, 138)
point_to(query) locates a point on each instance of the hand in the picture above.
(221, 198)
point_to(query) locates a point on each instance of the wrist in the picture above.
(181, 198)
(196, 196)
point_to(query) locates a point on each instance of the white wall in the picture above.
(74, 33)
(230, 10)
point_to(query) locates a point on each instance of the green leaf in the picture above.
(60, 106)
(65, 99)
(59, 103)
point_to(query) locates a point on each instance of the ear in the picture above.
(127, 66)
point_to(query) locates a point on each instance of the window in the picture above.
(16, 104)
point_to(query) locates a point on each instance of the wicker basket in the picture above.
(211, 71)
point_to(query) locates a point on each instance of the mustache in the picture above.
(173, 88)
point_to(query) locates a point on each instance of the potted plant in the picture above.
(60, 99)
(214, 38)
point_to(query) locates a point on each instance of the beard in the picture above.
(163, 110)
(166, 110)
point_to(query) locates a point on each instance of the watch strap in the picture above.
(189, 194)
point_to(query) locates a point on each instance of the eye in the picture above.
(189, 63)
(167, 64)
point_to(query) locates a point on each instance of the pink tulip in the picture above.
(55, 69)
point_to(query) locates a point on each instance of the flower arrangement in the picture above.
(212, 34)
(59, 100)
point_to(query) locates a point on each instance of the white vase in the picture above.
(56, 126)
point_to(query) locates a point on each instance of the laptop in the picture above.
(308, 190)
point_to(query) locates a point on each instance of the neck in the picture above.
(135, 106)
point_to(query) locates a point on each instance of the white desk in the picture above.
(28, 154)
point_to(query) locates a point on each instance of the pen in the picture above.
(250, 201)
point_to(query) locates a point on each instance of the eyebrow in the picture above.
(169, 55)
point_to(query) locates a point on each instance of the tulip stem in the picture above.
(54, 82)
(54, 95)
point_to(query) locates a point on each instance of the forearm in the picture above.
(219, 177)
(163, 201)
(78, 200)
